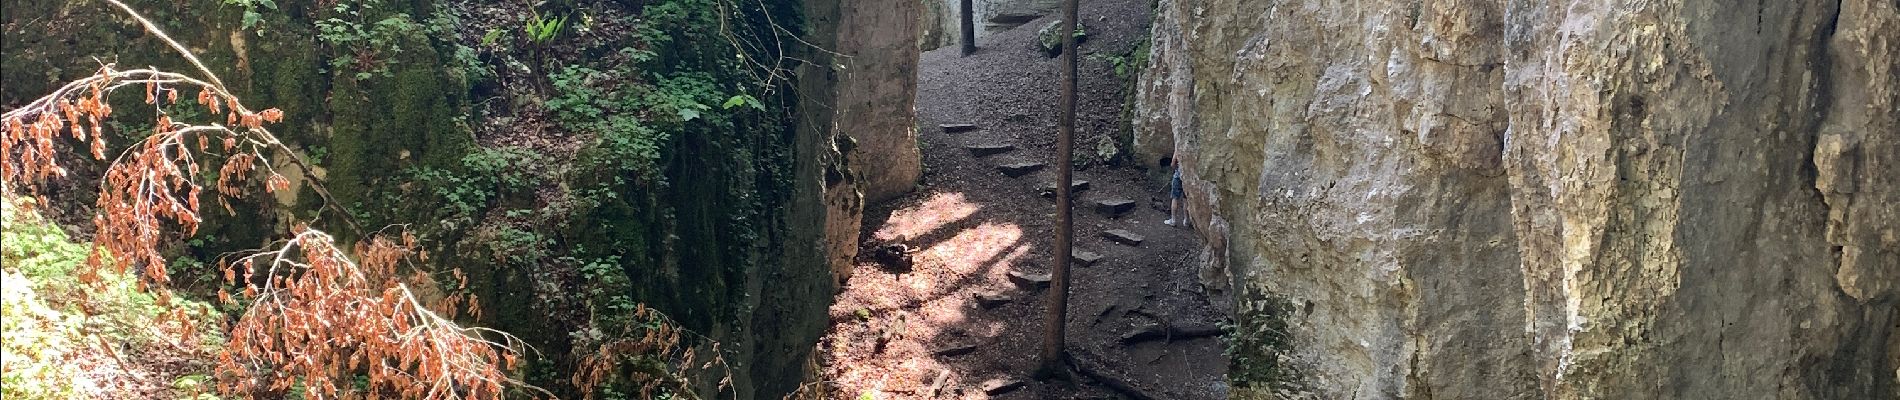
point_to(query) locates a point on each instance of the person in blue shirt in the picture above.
(1175, 194)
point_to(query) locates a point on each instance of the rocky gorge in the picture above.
(1422, 199)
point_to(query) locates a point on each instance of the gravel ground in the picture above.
(896, 332)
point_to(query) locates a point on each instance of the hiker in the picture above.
(1175, 194)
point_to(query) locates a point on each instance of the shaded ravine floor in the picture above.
(923, 333)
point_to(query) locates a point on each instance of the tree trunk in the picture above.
(969, 27)
(1054, 325)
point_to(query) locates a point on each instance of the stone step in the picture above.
(981, 150)
(1029, 279)
(991, 299)
(1000, 385)
(955, 350)
(1123, 236)
(1084, 258)
(936, 384)
(1114, 207)
(1048, 190)
(954, 128)
(1019, 169)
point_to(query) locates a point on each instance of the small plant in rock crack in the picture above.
(1256, 343)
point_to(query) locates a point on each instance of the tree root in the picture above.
(1098, 372)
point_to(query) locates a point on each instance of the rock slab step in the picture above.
(1029, 280)
(954, 128)
(936, 384)
(957, 350)
(1049, 189)
(1114, 207)
(1000, 385)
(981, 150)
(1019, 169)
(991, 299)
(1123, 236)
(1084, 258)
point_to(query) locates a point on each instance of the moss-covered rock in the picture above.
(1050, 40)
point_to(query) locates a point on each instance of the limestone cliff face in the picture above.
(858, 97)
(1527, 199)
(877, 94)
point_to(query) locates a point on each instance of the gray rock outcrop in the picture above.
(1470, 199)
(876, 96)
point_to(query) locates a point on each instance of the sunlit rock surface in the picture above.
(1521, 199)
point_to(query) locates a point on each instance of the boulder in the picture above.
(1051, 43)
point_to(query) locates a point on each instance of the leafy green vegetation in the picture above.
(632, 120)
(363, 45)
(1256, 343)
(484, 177)
(251, 14)
(745, 100)
(540, 29)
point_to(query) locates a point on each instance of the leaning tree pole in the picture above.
(1054, 326)
(968, 38)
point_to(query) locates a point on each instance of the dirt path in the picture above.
(901, 333)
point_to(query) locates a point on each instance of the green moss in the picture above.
(382, 125)
(49, 317)
(1051, 42)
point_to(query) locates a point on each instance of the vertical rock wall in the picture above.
(1699, 185)
(877, 94)
(858, 97)
(1470, 199)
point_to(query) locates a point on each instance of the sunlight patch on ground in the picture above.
(893, 322)
(971, 253)
(916, 221)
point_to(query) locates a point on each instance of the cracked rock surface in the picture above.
(1559, 199)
